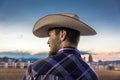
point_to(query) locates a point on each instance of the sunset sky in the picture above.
(17, 18)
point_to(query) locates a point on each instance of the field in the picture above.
(11, 74)
(17, 74)
(108, 74)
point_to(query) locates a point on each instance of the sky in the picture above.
(17, 18)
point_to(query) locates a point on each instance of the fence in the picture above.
(111, 66)
(93, 65)
(14, 64)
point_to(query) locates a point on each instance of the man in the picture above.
(64, 61)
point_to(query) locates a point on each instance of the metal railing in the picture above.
(26, 64)
(14, 64)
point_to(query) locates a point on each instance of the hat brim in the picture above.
(51, 21)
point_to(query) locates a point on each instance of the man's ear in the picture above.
(63, 34)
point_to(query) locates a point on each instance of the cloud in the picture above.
(84, 52)
(16, 54)
(19, 37)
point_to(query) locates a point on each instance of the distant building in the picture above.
(90, 59)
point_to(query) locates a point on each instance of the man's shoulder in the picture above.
(47, 62)
(39, 63)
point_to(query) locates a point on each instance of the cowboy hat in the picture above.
(65, 20)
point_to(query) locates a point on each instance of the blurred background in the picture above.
(19, 47)
(17, 18)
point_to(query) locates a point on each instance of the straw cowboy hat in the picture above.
(65, 20)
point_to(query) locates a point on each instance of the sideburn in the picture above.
(56, 47)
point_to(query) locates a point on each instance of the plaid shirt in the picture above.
(65, 65)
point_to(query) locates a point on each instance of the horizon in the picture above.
(96, 56)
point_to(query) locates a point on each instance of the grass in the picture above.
(108, 74)
(11, 74)
(17, 74)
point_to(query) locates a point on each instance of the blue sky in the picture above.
(17, 18)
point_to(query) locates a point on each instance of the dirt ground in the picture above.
(17, 74)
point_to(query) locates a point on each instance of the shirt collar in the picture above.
(77, 52)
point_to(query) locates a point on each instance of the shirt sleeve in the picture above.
(28, 74)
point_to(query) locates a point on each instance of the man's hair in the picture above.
(72, 35)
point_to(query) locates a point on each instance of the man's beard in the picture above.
(55, 48)
(53, 51)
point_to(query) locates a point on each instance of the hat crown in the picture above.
(67, 20)
(71, 15)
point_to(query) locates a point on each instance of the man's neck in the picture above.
(67, 45)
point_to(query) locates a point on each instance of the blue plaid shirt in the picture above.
(65, 65)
